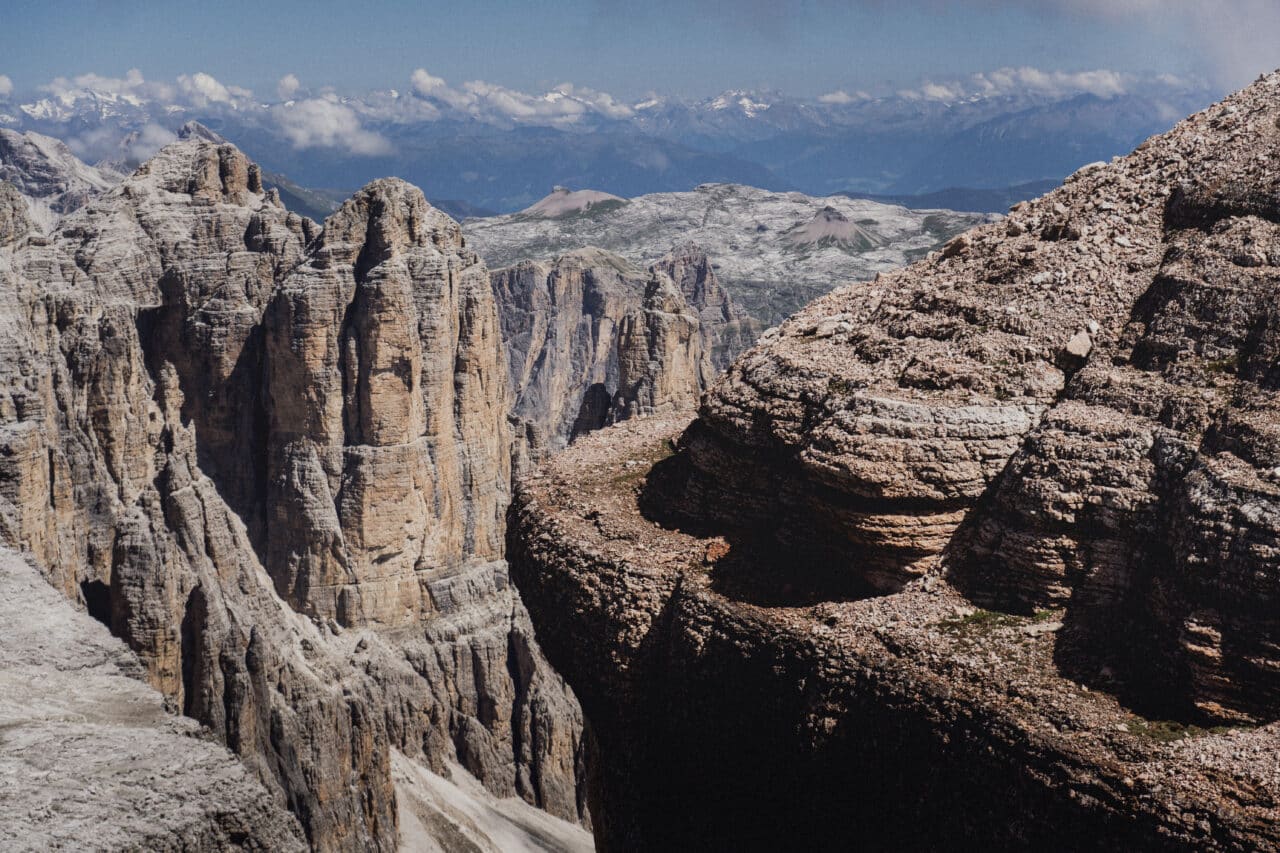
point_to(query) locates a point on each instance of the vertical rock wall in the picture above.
(216, 421)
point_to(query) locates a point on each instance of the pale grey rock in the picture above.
(51, 178)
(15, 221)
(443, 814)
(591, 339)
(90, 757)
(773, 251)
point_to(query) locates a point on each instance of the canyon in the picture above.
(373, 546)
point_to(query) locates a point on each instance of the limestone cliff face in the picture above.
(216, 420)
(727, 329)
(387, 398)
(560, 328)
(662, 362)
(1067, 416)
(591, 339)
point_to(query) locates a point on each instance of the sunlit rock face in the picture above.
(273, 458)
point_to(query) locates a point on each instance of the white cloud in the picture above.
(1026, 80)
(288, 86)
(6, 86)
(564, 104)
(132, 85)
(841, 97)
(203, 89)
(1239, 39)
(147, 141)
(105, 142)
(426, 84)
(327, 123)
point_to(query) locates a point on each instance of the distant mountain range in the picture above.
(481, 148)
(965, 198)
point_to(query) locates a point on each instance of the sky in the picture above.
(690, 48)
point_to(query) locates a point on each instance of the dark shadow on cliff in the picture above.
(229, 417)
(1109, 640)
(748, 565)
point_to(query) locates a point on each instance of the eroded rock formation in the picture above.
(273, 459)
(592, 339)
(90, 754)
(1067, 416)
(51, 179)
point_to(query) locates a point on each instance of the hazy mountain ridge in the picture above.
(499, 149)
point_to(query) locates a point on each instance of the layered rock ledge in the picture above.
(733, 714)
(1068, 417)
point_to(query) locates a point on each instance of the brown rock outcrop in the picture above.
(735, 710)
(1067, 416)
(167, 337)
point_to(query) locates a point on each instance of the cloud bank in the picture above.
(326, 122)
(565, 104)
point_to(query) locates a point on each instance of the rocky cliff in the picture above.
(90, 753)
(272, 458)
(591, 339)
(1068, 418)
(50, 177)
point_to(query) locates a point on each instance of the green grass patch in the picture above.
(1223, 365)
(981, 621)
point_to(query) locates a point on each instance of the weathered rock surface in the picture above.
(560, 329)
(89, 753)
(727, 329)
(591, 339)
(386, 452)
(161, 341)
(48, 175)
(662, 363)
(774, 251)
(735, 710)
(1069, 416)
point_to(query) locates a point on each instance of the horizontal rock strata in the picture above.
(1067, 417)
(726, 724)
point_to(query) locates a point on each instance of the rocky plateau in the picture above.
(773, 251)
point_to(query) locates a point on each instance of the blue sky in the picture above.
(684, 47)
